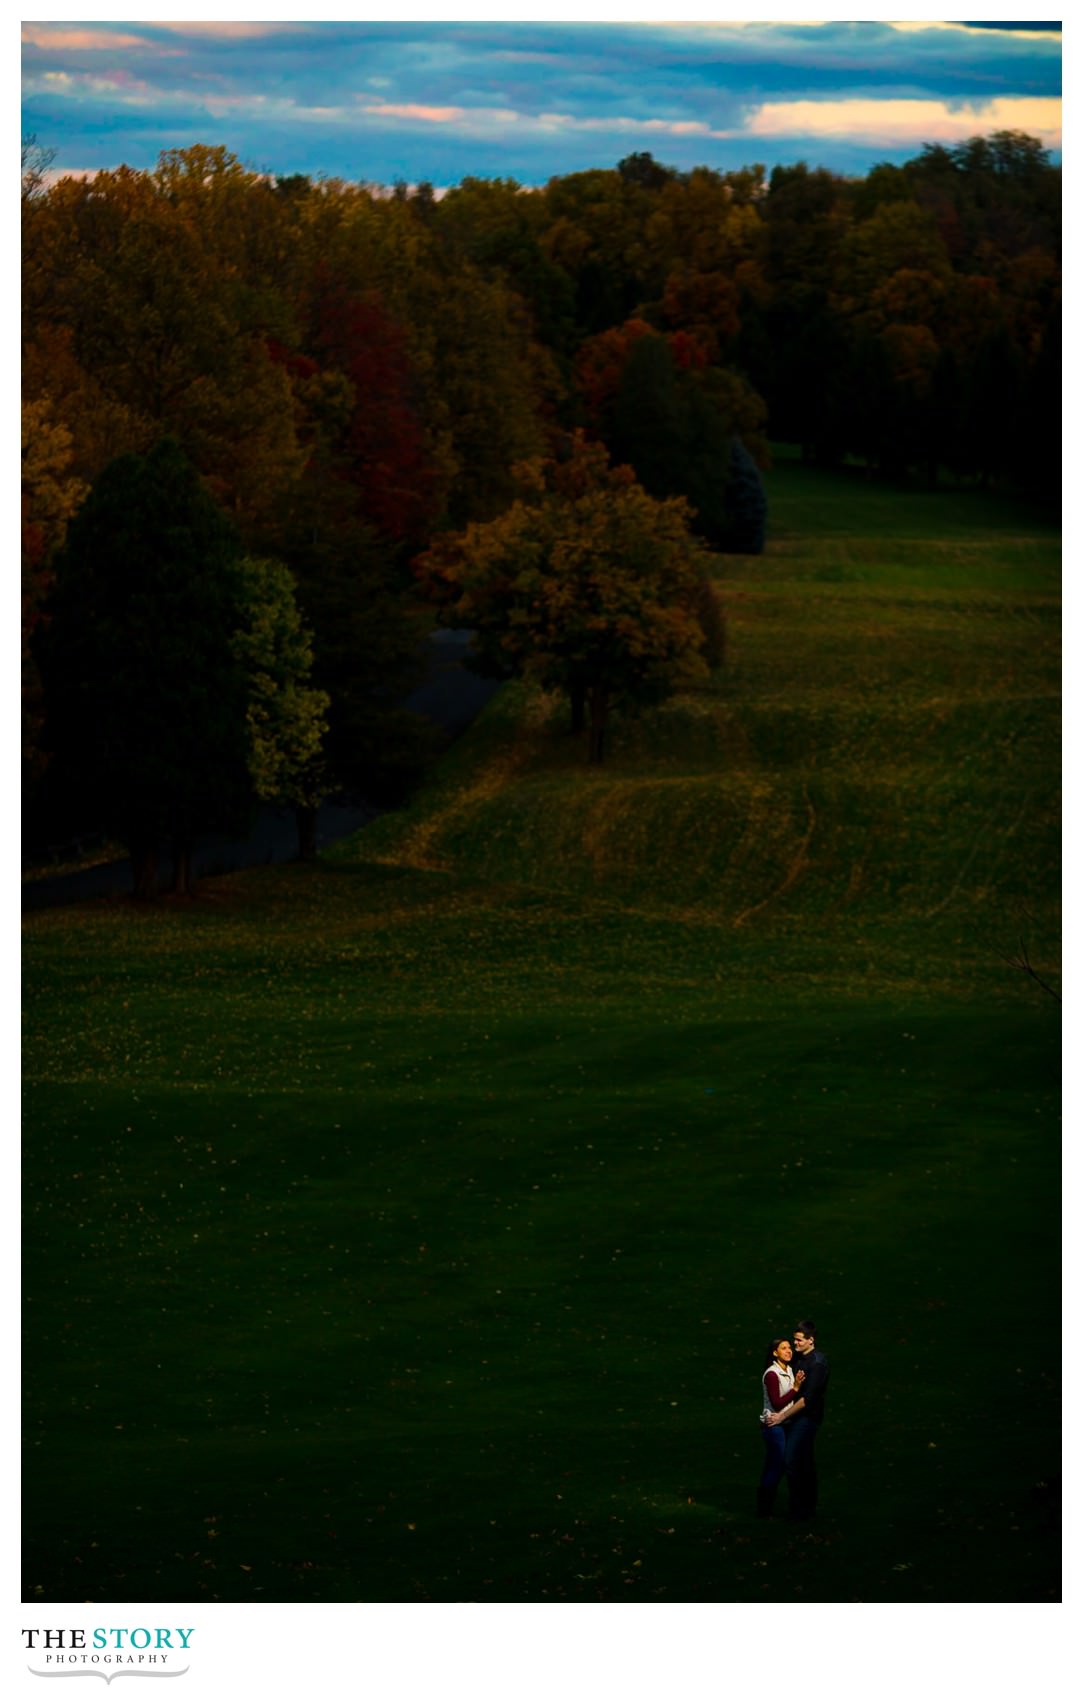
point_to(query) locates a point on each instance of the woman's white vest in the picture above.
(785, 1383)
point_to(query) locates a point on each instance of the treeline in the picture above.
(910, 317)
(357, 373)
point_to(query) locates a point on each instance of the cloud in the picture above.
(857, 122)
(52, 39)
(915, 27)
(118, 85)
(228, 31)
(420, 99)
(420, 114)
(482, 120)
(56, 173)
(621, 124)
(896, 123)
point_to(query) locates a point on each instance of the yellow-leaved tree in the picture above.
(585, 583)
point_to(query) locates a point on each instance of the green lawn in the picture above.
(411, 1226)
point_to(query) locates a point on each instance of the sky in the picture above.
(438, 100)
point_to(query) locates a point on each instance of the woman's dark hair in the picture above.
(772, 1349)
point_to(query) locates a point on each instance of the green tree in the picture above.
(597, 234)
(807, 215)
(367, 631)
(697, 225)
(586, 584)
(644, 169)
(495, 224)
(286, 718)
(146, 698)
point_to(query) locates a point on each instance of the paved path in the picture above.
(449, 695)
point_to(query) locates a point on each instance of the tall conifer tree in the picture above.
(146, 695)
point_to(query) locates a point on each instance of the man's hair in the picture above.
(808, 1329)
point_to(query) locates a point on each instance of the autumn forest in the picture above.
(378, 408)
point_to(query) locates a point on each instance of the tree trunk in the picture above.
(144, 858)
(598, 697)
(579, 707)
(183, 878)
(306, 832)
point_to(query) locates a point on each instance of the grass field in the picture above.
(410, 1227)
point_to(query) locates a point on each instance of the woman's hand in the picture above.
(799, 1378)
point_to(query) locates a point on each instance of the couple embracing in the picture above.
(793, 1409)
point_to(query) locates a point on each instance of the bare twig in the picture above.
(1021, 960)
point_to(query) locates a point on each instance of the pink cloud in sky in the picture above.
(56, 173)
(48, 36)
(117, 79)
(422, 114)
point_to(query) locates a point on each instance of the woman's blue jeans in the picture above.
(774, 1458)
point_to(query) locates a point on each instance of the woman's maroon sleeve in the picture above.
(778, 1400)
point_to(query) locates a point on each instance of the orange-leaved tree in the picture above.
(585, 583)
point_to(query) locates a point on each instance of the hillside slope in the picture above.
(877, 760)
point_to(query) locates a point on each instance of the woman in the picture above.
(780, 1388)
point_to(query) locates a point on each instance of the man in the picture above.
(803, 1424)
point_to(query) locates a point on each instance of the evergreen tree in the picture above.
(746, 505)
(145, 695)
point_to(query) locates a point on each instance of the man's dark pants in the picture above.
(801, 1466)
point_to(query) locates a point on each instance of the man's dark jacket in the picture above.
(814, 1386)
